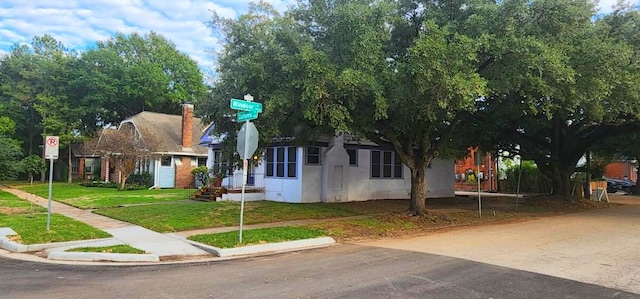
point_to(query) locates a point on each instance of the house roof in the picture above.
(167, 129)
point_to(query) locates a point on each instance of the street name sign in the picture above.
(246, 115)
(246, 105)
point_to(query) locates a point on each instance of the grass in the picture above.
(94, 198)
(109, 249)
(258, 236)
(197, 215)
(32, 229)
(30, 222)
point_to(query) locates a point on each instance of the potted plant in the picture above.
(218, 173)
(202, 175)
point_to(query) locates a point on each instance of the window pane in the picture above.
(269, 155)
(269, 167)
(386, 171)
(291, 170)
(387, 157)
(313, 155)
(375, 157)
(375, 170)
(291, 154)
(166, 161)
(280, 157)
(353, 156)
(397, 171)
(280, 170)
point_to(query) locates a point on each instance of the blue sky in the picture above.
(79, 23)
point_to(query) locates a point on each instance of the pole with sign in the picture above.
(247, 141)
(51, 151)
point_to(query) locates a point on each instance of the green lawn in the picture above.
(258, 236)
(30, 222)
(196, 215)
(109, 249)
(93, 197)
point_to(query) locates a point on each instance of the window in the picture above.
(281, 162)
(313, 155)
(385, 164)
(353, 156)
(166, 161)
(218, 166)
(88, 169)
(202, 162)
(74, 166)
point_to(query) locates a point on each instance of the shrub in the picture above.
(143, 179)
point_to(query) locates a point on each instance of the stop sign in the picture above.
(248, 136)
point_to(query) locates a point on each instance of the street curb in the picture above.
(267, 248)
(6, 243)
(100, 257)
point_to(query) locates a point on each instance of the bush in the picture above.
(99, 184)
(143, 179)
(531, 181)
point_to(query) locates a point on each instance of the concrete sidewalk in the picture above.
(164, 246)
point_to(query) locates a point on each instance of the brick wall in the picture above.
(184, 177)
(619, 170)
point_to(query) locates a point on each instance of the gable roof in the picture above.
(167, 129)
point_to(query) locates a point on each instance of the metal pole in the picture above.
(245, 168)
(518, 187)
(479, 198)
(50, 188)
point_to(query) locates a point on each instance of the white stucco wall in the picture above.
(286, 189)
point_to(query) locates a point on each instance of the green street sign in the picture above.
(246, 106)
(247, 115)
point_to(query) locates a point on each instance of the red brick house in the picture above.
(466, 173)
(620, 170)
(178, 152)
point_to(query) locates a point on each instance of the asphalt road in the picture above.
(342, 271)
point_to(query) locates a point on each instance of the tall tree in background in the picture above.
(559, 82)
(128, 74)
(394, 72)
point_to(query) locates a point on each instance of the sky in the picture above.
(78, 24)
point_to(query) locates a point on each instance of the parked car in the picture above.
(626, 185)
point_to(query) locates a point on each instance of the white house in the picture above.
(336, 170)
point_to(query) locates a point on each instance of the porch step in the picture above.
(205, 196)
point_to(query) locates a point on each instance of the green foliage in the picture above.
(33, 165)
(531, 180)
(128, 74)
(559, 82)
(202, 174)
(360, 67)
(9, 158)
(144, 179)
(258, 236)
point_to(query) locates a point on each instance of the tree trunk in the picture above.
(70, 175)
(123, 182)
(30, 178)
(418, 190)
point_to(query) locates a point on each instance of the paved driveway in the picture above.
(600, 247)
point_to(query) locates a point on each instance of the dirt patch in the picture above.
(14, 210)
(450, 213)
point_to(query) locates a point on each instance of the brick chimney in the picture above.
(187, 126)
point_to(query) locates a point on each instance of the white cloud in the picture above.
(79, 24)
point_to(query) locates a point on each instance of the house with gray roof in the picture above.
(176, 152)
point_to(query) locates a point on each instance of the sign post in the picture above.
(247, 141)
(51, 151)
(478, 161)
